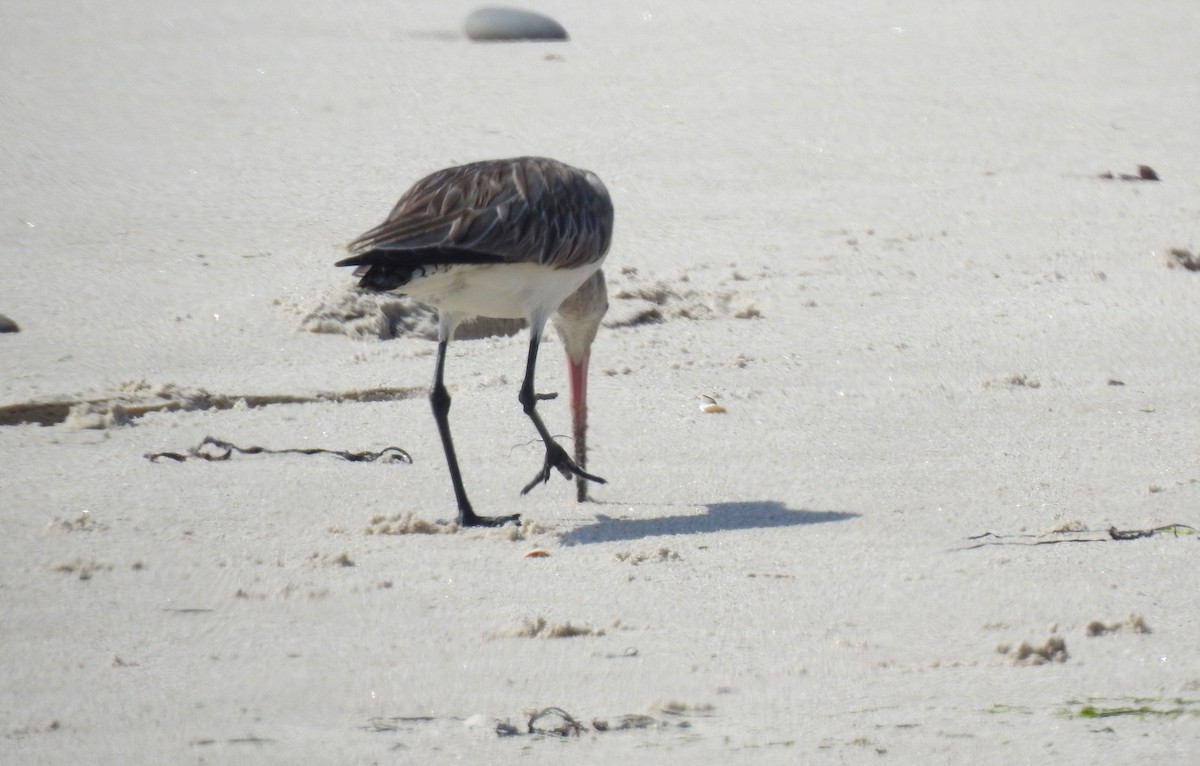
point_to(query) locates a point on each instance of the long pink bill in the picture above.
(577, 371)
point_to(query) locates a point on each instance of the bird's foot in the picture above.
(469, 518)
(545, 397)
(557, 457)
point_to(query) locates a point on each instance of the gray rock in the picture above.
(497, 23)
(8, 325)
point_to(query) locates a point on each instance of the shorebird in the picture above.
(515, 238)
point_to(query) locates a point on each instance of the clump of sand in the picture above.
(1053, 650)
(656, 556)
(1134, 623)
(406, 524)
(539, 627)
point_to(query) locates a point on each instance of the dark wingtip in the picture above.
(354, 260)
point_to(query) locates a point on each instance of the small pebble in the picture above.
(498, 23)
(8, 325)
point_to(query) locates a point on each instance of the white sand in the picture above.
(907, 199)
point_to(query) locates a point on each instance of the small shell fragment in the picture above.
(708, 404)
(537, 553)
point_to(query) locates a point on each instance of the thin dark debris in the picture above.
(213, 449)
(1145, 173)
(249, 739)
(630, 651)
(566, 727)
(550, 721)
(1177, 530)
(626, 722)
(1079, 536)
(395, 723)
(1181, 256)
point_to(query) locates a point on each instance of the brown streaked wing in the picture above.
(524, 209)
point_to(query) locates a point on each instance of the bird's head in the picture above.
(578, 318)
(577, 321)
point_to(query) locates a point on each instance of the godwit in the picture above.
(515, 238)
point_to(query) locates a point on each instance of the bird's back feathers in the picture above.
(522, 210)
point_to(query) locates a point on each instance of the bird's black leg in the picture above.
(556, 456)
(439, 397)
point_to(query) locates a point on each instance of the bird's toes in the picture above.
(557, 458)
(489, 521)
(542, 477)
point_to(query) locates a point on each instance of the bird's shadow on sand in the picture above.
(719, 517)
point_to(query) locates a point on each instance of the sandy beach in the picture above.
(948, 514)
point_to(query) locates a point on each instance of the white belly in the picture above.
(500, 291)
